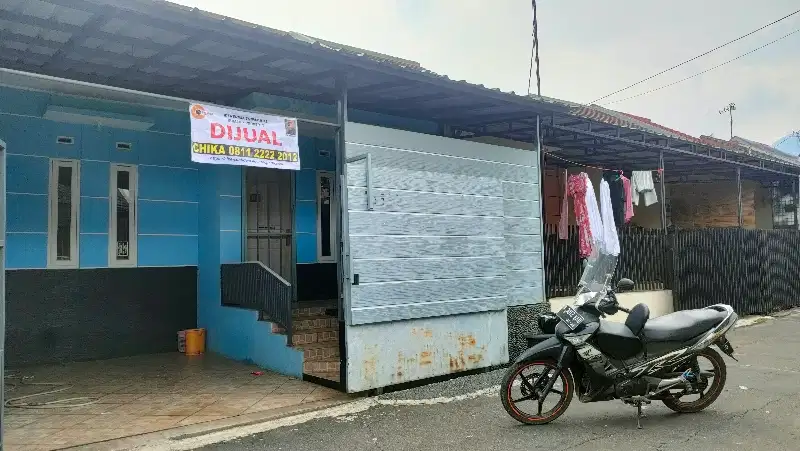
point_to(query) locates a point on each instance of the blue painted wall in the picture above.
(175, 227)
(168, 182)
(232, 332)
(315, 154)
(189, 214)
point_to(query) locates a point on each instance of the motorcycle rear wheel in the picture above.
(564, 392)
(713, 391)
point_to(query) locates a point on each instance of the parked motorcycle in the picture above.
(640, 361)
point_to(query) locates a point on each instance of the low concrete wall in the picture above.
(522, 322)
(660, 303)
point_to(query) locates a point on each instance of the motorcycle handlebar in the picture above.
(611, 296)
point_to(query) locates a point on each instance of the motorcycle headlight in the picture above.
(547, 323)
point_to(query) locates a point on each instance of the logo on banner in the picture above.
(198, 112)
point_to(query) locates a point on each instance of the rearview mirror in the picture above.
(624, 285)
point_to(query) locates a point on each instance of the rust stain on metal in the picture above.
(460, 361)
(370, 368)
(427, 333)
(425, 358)
(467, 341)
(475, 358)
(403, 363)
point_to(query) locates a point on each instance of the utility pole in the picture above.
(535, 54)
(729, 109)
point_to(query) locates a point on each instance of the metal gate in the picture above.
(2, 281)
(269, 219)
(441, 235)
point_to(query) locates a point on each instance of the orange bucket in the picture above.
(195, 341)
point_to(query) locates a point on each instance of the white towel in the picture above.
(595, 220)
(642, 184)
(610, 237)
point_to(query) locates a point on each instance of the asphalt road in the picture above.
(759, 409)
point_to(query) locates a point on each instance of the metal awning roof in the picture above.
(159, 47)
(163, 48)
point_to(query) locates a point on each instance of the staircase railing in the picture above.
(252, 285)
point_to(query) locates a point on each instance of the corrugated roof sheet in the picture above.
(175, 25)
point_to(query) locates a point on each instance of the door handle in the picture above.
(368, 174)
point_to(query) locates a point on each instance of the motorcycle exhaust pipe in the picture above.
(666, 384)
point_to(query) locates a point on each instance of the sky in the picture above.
(588, 49)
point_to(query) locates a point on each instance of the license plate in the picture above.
(570, 317)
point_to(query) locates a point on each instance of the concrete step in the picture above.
(308, 311)
(321, 366)
(306, 323)
(300, 338)
(329, 375)
(302, 323)
(320, 351)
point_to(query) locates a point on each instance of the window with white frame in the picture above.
(122, 224)
(64, 198)
(326, 217)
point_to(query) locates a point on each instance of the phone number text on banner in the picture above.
(225, 136)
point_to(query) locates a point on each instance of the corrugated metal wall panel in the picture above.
(391, 353)
(454, 227)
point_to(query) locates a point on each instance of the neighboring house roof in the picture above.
(737, 144)
(761, 147)
(600, 114)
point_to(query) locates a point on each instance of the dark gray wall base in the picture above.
(86, 314)
(522, 322)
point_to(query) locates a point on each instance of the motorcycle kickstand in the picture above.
(639, 415)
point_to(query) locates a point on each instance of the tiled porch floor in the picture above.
(139, 395)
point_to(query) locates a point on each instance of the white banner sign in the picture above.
(225, 136)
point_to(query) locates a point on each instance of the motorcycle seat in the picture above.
(681, 326)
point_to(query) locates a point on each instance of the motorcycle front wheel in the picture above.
(522, 387)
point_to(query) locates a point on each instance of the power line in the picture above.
(696, 57)
(705, 71)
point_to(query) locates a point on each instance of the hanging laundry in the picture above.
(642, 184)
(576, 186)
(610, 245)
(626, 184)
(595, 220)
(617, 189)
(563, 219)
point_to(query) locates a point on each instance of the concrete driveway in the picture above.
(759, 409)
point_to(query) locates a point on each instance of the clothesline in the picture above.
(550, 154)
(618, 194)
